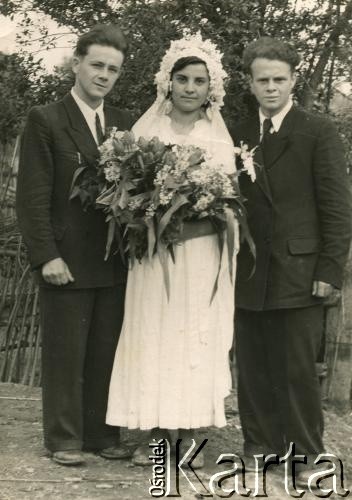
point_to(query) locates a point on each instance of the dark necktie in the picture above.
(99, 130)
(267, 125)
(265, 142)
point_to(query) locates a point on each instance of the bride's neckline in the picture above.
(195, 125)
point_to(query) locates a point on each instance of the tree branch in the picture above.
(340, 27)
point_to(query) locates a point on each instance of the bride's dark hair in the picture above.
(185, 61)
(182, 63)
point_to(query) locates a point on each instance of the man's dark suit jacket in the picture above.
(56, 141)
(299, 213)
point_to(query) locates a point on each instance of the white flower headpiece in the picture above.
(193, 45)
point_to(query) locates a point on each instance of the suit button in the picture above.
(267, 239)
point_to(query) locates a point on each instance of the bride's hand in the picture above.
(196, 229)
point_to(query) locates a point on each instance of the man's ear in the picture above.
(75, 63)
(294, 79)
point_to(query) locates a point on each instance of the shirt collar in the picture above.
(276, 119)
(87, 111)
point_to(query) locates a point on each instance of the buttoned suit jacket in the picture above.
(57, 141)
(299, 212)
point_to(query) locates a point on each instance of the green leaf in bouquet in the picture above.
(118, 146)
(119, 239)
(77, 173)
(148, 158)
(140, 161)
(106, 197)
(74, 192)
(193, 168)
(139, 199)
(172, 253)
(171, 183)
(85, 198)
(230, 237)
(177, 202)
(128, 139)
(151, 237)
(170, 158)
(129, 184)
(163, 257)
(156, 145)
(155, 196)
(110, 237)
(196, 158)
(246, 235)
(128, 156)
(220, 235)
(123, 198)
(143, 143)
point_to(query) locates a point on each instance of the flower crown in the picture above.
(193, 45)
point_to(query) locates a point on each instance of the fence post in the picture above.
(338, 351)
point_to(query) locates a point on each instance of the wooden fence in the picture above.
(19, 318)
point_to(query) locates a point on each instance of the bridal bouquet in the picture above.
(149, 190)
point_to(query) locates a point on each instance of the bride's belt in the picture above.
(196, 229)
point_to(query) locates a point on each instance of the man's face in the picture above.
(96, 73)
(272, 82)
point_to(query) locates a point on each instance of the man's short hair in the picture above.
(108, 35)
(270, 48)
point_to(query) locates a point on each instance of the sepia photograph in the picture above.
(175, 249)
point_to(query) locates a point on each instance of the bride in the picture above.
(171, 367)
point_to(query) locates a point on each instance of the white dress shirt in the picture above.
(89, 114)
(276, 120)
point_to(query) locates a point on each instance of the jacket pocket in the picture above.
(302, 246)
(69, 155)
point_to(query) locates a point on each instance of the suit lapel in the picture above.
(253, 136)
(78, 129)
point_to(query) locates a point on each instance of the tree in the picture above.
(151, 24)
(18, 75)
(339, 30)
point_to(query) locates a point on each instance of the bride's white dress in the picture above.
(171, 366)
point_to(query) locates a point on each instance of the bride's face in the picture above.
(190, 87)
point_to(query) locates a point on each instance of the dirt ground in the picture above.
(27, 472)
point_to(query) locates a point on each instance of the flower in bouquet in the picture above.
(129, 167)
(151, 190)
(190, 186)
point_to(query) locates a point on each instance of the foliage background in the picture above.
(322, 34)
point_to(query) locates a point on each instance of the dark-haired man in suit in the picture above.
(81, 295)
(299, 216)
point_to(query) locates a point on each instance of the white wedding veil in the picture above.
(214, 136)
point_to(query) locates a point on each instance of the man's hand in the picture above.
(57, 272)
(321, 289)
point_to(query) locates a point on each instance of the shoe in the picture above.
(141, 456)
(68, 457)
(116, 452)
